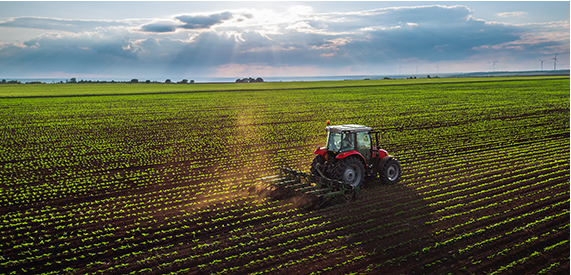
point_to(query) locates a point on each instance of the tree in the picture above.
(134, 80)
(249, 80)
(72, 80)
(168, 81)
(147, 81)
(184, 81)
(192, 81)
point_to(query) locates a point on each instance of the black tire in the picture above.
(350, 170)
(390, 172)
(319, 159)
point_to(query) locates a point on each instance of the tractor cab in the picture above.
(352, 138)
(343, 138)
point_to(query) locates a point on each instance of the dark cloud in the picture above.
(203, 21)
(30, 61)
(159, 27)
(192, 22)
(74, 54)
(425, 42)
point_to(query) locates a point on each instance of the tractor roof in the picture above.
(352, 128)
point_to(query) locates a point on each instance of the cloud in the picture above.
(93, 54)
(118, 46)
(203, 21)
(164, 26)
(193, 22)
(434, 15)
(512, 14)
(60, 24)
(285, 42)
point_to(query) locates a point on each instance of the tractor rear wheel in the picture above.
(350, 170)
(390, 172)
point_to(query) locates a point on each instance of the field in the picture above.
(163, 179)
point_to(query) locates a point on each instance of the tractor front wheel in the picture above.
(390, 172)
(350, 170)
(319, 160)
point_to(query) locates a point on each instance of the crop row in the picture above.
(162, 183)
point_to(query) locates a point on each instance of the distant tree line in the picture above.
(134, 80)
(11, 82)
(249, 80)
(74, 80)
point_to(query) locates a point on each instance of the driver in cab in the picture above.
(348, 141)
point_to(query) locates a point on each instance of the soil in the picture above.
(415, 226)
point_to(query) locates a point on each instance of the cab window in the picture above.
(363, 141)
(348, 142)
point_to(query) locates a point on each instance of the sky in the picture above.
(144, 39)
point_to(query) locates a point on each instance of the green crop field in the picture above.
(164, 178)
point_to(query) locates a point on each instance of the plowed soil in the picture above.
(484, 195)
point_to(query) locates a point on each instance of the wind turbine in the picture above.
(399, 69)
(494, 65)
(542, 64)
(554, 62)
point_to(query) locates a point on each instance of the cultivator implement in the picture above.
(317, 190)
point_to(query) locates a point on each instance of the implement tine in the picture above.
(308, 188)
(299, 185)
(274, 180)
(319, 187)
(270, 177)
(318, 191)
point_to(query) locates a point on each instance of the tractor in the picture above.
(352, 154)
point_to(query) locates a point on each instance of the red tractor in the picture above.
(352, 153)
